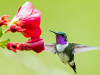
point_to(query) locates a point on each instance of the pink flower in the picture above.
(31, 19)
(27, 21)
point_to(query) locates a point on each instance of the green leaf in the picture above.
(4, 43)
(7, 40)
(0, 32)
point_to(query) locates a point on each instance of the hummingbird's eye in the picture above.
(64, 35)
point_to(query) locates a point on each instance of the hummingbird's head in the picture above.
(61, 37)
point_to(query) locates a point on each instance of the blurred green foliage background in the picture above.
(79, 19)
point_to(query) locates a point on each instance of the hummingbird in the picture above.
(65, 50)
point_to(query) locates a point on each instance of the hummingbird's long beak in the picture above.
(53, 31)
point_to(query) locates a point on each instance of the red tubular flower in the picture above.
(31, 18)
(36, 44)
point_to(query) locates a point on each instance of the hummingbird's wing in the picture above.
(82, 48)
(50, 47)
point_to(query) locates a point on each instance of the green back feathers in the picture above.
(68, 51)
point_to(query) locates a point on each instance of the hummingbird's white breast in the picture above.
(63, 56)
(60, 47)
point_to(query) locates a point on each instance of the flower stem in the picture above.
(6, 31)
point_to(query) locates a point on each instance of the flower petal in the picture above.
(33, 20)
(24, 10)
(31, 33)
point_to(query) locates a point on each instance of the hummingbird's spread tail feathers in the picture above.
(73, 67)
(82, 48)
(50, 48)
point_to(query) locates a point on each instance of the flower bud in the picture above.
(3, 20)
(12, 46)
(13, 28)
